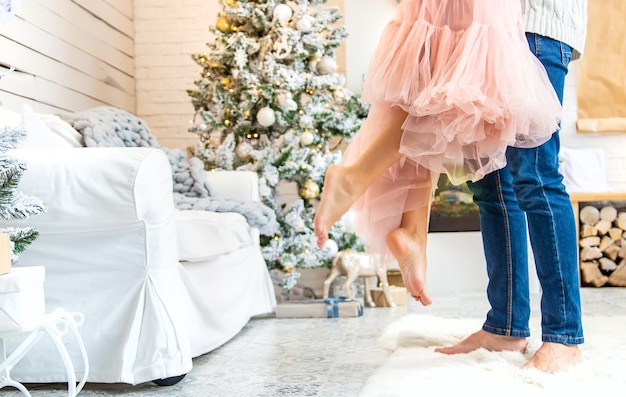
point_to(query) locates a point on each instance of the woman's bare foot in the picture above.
(554, 357)
(412, 262)
(488, 341)
(340, 192)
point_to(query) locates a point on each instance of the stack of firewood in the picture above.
(603, 246)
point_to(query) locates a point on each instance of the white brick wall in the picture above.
(167, 32)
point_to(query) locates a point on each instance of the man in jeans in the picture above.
(529, 191)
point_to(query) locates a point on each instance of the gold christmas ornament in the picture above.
(310, 190)
(223, 24)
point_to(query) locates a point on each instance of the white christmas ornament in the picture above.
(326, 65)
(304, 24)
(282, 13)
(266, 116)
(331, 248)
(291, 105)
(282, 49)
(287, 103)
(348, 222)
(306, 138)
(243, 151)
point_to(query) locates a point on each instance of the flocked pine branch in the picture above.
(22, 207)
(20, 237)
(11, 137)
(15, 205)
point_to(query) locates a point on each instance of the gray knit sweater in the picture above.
(563, 20)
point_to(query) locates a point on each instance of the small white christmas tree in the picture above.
(13, 203)
(270, 100)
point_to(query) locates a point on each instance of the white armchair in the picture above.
(157, 286)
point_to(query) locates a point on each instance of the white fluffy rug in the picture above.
(414, 369)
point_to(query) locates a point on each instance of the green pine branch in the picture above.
(20, 237)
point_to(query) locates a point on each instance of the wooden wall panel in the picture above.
(69, 55)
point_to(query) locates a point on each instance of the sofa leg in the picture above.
(169, 381)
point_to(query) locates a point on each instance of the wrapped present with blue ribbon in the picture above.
(329, 308)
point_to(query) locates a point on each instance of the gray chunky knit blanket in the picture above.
(106, 126)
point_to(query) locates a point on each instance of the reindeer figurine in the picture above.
(354, 264)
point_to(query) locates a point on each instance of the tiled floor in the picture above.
(311, 357)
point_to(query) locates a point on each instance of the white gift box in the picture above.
(22, 301)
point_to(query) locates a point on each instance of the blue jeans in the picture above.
(529, 191)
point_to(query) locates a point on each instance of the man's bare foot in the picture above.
(488, 341)
(340, 192)
(412, 262)
(554, 357)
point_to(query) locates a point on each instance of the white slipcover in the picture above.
(110, 244)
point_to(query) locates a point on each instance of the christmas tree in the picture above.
(13, 203)
(270, 99)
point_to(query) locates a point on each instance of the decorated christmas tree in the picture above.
(270, 100)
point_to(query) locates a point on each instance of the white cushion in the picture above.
(583, 170)
(204, 235)
(9, 118)
(62, 129)
(38, 134)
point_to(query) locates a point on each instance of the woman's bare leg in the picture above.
(344, 184)
(408, 245)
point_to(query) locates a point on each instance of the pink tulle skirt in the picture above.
(468, 86)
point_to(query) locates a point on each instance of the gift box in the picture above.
(329, 308)
(5, 253)
(22, 301)
(394, 277)
(398, 294)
